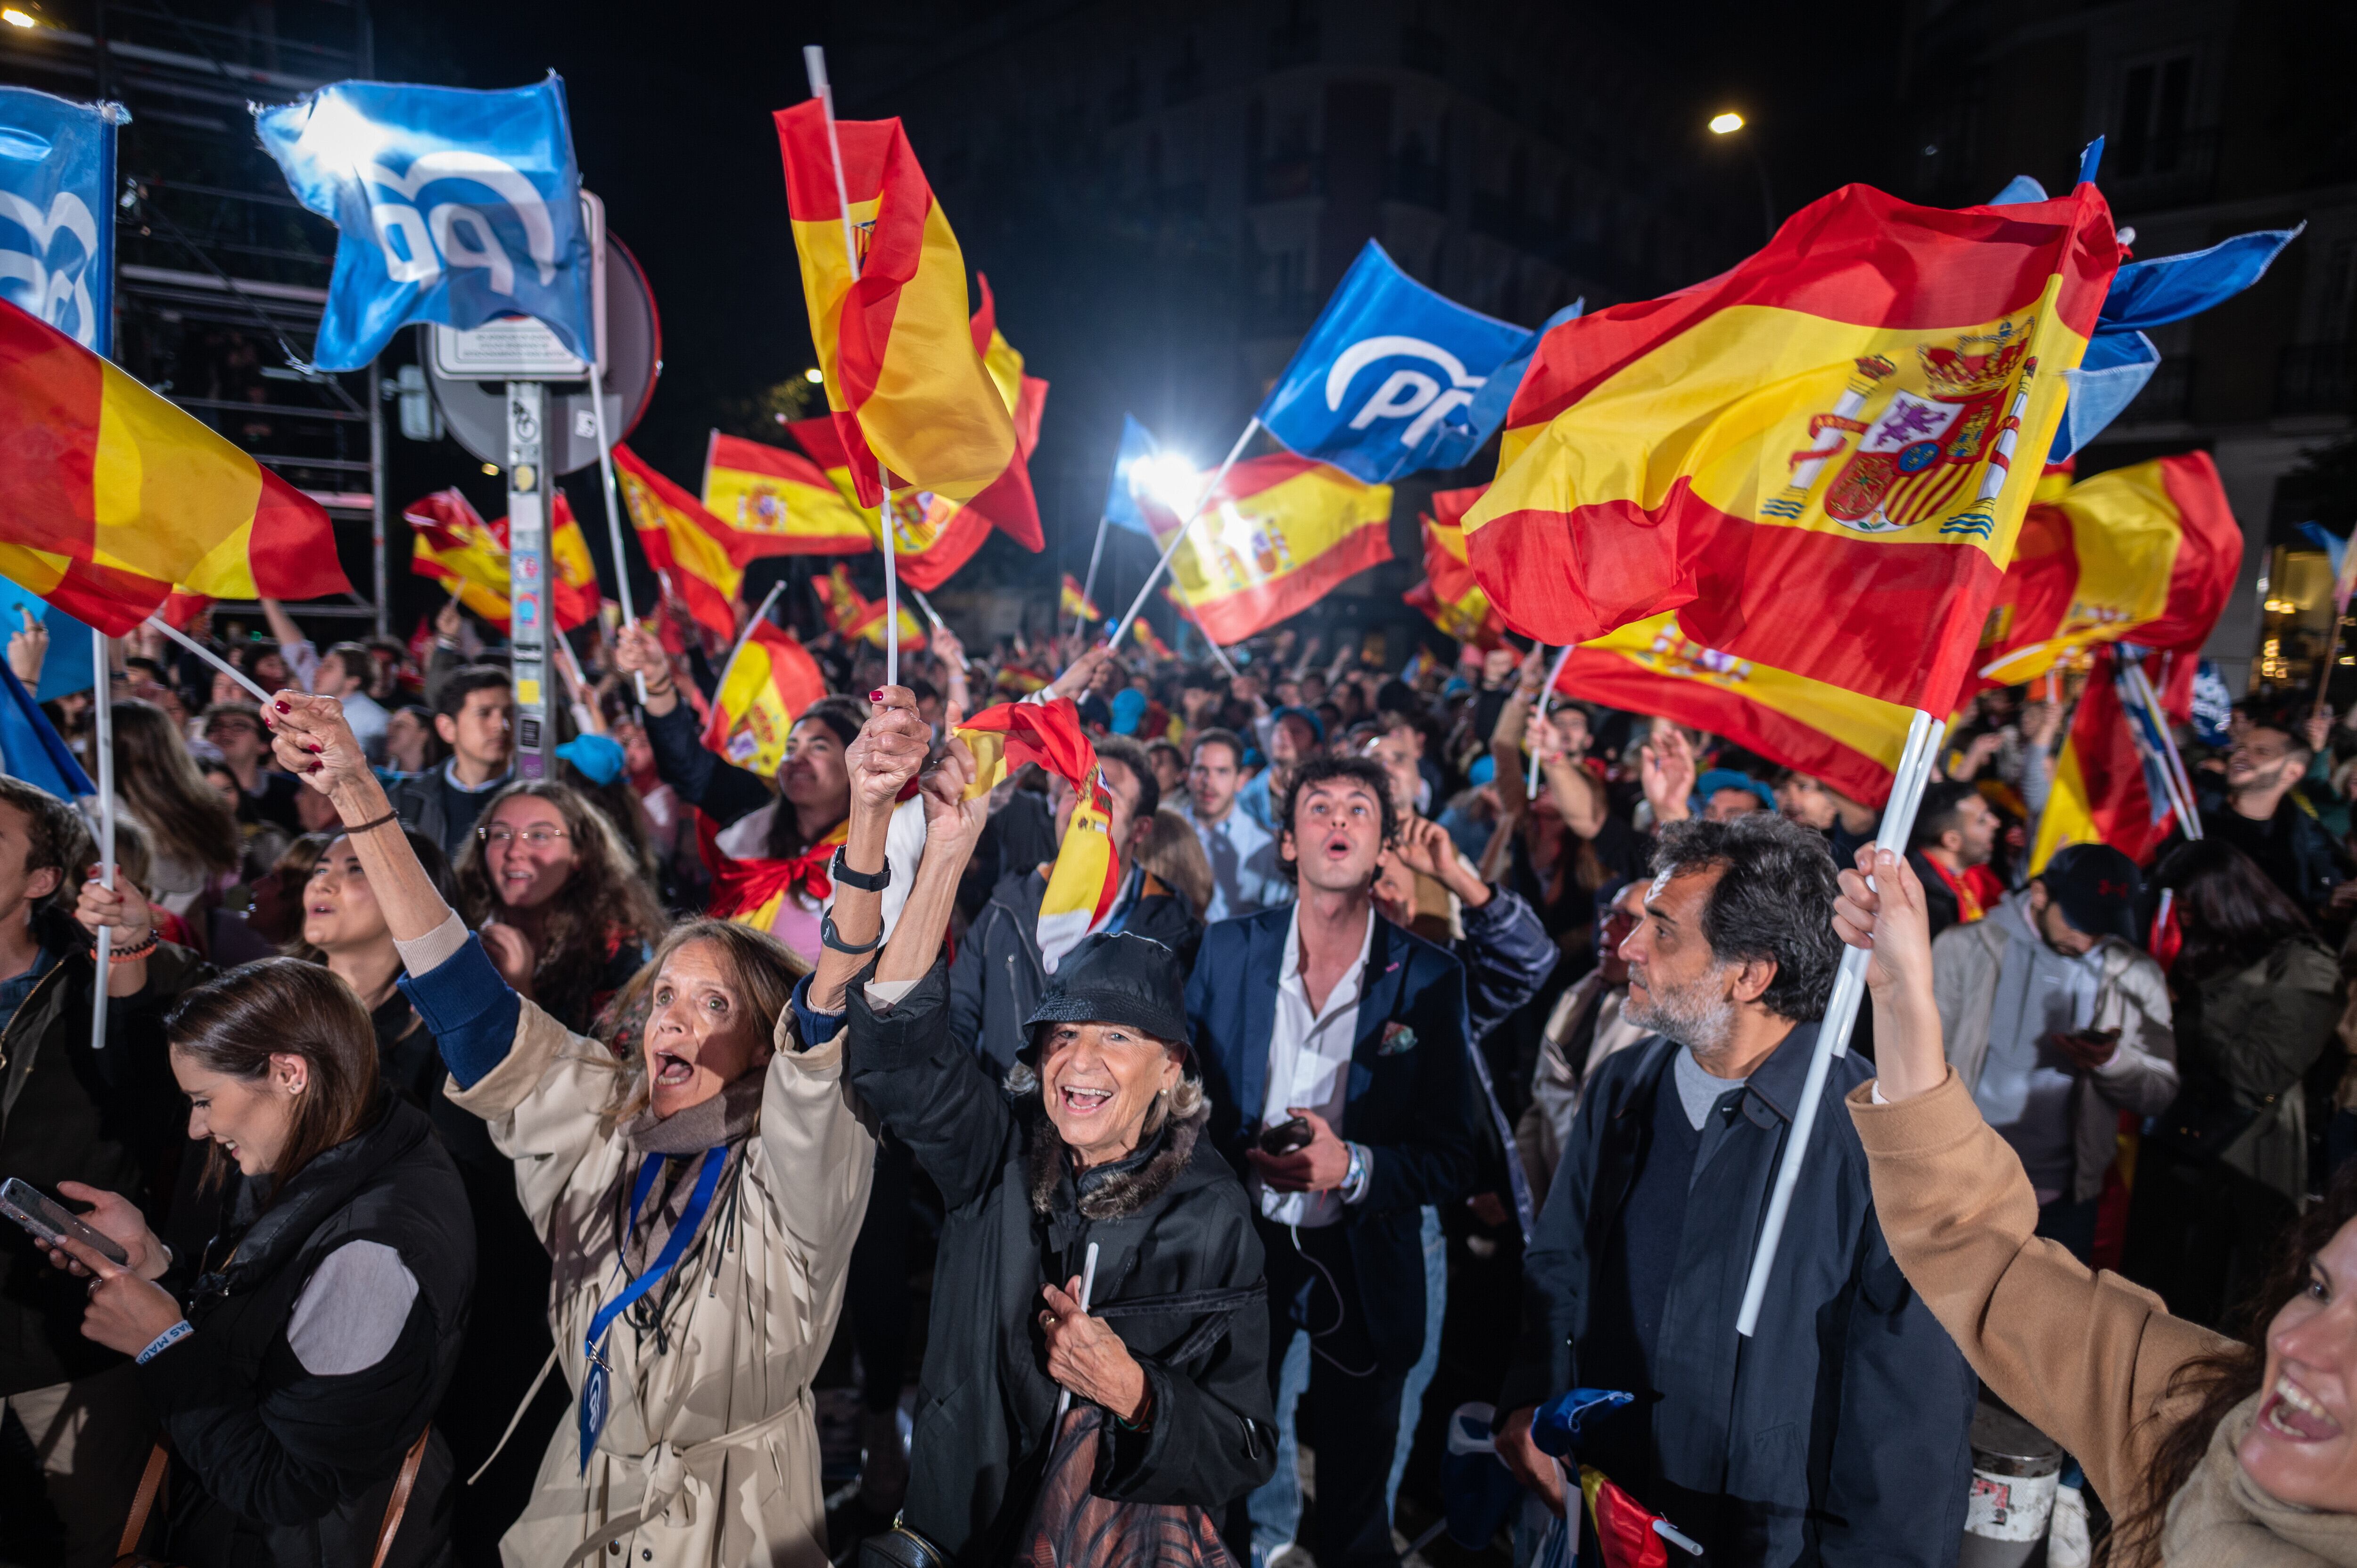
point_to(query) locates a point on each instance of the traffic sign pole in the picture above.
(528, 581)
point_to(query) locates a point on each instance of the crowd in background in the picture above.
(1530, 1054)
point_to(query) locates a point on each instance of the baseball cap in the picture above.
(2096, 887)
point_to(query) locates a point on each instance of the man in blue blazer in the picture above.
(1342, 1037)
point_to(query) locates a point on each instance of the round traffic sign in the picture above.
(476, 411)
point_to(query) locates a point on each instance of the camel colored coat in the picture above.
(709, 1458)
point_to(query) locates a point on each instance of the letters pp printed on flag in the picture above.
(1819, 459)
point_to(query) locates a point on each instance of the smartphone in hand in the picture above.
(50, 1221)
(1287, 1137)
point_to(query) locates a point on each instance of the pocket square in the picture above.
(1398, 1039)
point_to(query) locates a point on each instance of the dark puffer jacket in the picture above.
(1179, 1278)
(279, 1465)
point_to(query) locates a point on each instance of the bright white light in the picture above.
(1722, 124)
(815, 375)
(17, 19)
(1171, 480)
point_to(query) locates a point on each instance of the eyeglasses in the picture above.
(534, 837)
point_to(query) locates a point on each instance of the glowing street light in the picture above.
(1171, 479)
(17, 19)
(1726, 124)
(815, 375)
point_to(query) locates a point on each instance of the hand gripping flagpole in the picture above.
(1531, 790)
(1113, 636)
(1923, 733)
(814, 63)
(103, 712)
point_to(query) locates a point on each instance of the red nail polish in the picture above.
(315, 750)
(283, 707)
(316, 766)
(876, 695)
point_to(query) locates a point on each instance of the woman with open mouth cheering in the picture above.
(698, 1196)
(2208, 1449)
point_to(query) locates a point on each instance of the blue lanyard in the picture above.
(595, 1402)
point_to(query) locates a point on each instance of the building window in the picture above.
(2156, 99)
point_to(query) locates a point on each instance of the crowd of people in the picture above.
(492, 1168)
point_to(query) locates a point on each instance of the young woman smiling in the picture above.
(567, 917)
(698, 1198)
(2211, 1450)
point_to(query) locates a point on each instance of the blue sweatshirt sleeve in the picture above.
(470, 1009)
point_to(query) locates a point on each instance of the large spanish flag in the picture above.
(1811, 456)
(902, 373)
(770, 679)
(1274, 539)
(933, 535)
(455, 547)
(781, 499)
(1086, 878)
(699, 557)
(1450, 596)
(2146, 554)
(110, 496)
(1849, 740)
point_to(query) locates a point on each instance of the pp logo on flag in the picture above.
(454, 233)
(54, 160)
(45, 262)
(1408, 391)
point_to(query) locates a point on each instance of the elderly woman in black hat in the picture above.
(1092, 1144)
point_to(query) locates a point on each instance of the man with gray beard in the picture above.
(1838, 1433)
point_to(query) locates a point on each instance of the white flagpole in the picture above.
(1923, 733)
(1137, 604)
(747, 635)
(1089, 586)
(2178, 787)
(102, 705)
(613, 515)
(1088, 1288)
(210, 657)
(926, 605)
(1531, 791)
(814, 64)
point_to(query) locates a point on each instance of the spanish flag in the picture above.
(1625, 1537)
(902, 373)
(1812, 458)
(110, 497)
(851, 614)
(2147, 555)
(1851, 741)
(1087, 874)
(454, 546)
(1072, 602)
(699, 557)
(1450, 596)
(769, 681)
(1142, 632)
(2108, 784)
(1274, 539)
(781, 499)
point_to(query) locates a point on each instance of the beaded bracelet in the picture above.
(118, 954)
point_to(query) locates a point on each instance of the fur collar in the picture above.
(1121, 1188)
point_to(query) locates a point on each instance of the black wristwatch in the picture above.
(866, 881)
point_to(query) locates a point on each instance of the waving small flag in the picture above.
(1072, 602)
(702, 558)
(782, 498)
(1625, 1528)
(852, 613)
(1274, 539)
(1087, 874)
(1450, 596)
(455, 547)
(770, 679)
(57, 174)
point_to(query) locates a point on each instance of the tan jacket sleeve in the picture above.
(545, 1106)
(2084, 1357)
(817, 1157)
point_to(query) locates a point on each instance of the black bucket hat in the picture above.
(1118, 979)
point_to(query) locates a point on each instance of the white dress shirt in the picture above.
(1246, 877)
(1309, 1066)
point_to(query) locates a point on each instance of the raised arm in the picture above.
(888, 751)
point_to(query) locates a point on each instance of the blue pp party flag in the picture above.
(1121, 507)
(57, 229)
(69, 663)
(30, 747)
(1387, 381)
(454, 206)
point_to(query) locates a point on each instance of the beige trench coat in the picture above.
(709, 1458)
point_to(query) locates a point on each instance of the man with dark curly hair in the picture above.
(1838, 1432)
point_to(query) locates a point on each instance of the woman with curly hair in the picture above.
(564, 913)
(192, 835)
(2209, 1448)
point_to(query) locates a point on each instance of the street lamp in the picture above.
(1726, 123)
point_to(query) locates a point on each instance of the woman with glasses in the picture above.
(558, 899)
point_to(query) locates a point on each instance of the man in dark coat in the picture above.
(1322, 1010)
(1838, 1432)
(999, 977)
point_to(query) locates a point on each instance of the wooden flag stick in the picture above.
(814, 65)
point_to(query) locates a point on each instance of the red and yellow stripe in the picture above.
(110, 496)
(1812, 456)
(454, 546)
(895, 344)
(780, 500)
(1274, 539)
(1450, 596)
(770, 681)
(700, 557)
